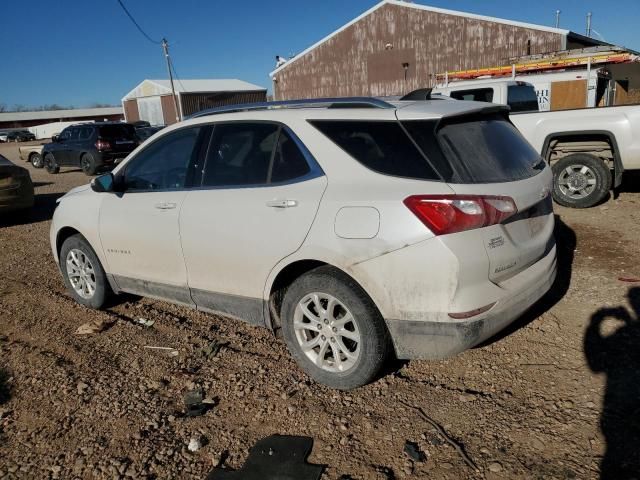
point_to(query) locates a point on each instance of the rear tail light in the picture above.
(445, 214)
(103, 145)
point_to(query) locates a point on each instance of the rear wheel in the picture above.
(333, 330)
(88, 164)
(83, 273)
(36, 160)
(580, 180)
(50, 163)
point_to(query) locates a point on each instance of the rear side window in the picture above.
(118, 132)
(475, 95)
(381, 146)
(240, 154)
(288, 161)
(522, 98)
(479, 149)
(85, 133)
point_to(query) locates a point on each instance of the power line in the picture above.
(136, 24)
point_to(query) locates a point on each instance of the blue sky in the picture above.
(77, 52)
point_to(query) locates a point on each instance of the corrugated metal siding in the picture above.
(196, 102)
(168, 109)
(357, 61)
(131, 113)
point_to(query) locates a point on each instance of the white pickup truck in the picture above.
(588, 148)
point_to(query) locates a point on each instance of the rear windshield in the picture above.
(118, 131)
(479, 149)
(469, 149)
(522, 98)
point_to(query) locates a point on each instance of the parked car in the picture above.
(588, 148)
(425, 227)
(3, 136)
(145, 132)
(20, 136)
(90, 146)
(16, 188)
(32, 154)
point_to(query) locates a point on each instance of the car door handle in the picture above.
(165, 206)
(282, 203)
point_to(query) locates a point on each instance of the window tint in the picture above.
(118, 132)
(522, 98)
(475, 95)
(288, 161)
(85, 133)
(482, 149)
(381, 146)
(166, 164)
(240, 154)
(65, 134)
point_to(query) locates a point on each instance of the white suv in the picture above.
(357, 227)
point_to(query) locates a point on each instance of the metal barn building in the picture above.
(396, 47)
(153, 101)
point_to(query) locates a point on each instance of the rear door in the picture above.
(259, 195)
(486, 155)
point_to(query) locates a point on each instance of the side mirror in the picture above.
(54, 138)
(104, 183)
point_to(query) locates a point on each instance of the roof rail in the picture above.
(343, 102)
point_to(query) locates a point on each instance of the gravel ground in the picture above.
(551, 398)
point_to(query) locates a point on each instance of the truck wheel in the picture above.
(50, 163)
(88, 164)
(36, 160)
(333, 330)
(580, 180)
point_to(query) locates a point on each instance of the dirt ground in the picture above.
(554, 397)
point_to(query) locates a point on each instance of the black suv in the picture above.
(90, 146)
(20, 136)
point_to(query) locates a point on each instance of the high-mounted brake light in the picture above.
(444, 214)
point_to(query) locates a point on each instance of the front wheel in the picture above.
(333, 330)
(83, 274)
(580, 180)
(50, 163)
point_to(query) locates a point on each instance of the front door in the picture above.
(139, 228)
(259, 195)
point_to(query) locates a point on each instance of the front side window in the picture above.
(65, 135)
(85, 133)
(474, 95)
(166, 164)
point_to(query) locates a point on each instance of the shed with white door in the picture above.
(152, 100)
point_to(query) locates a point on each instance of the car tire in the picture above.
(36, 160)
(50, 163)
(580, 180)
(361, 354)
(83, 274)
(88, 164)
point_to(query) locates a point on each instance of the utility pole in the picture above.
(589, 24)
(165, 48)
(558, 12)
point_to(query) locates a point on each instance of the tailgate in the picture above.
(525, 238)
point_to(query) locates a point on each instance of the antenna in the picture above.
(558, 12)
(589, 24)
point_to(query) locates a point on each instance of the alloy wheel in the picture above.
(81, 274)
(577, 181)
(327, 332)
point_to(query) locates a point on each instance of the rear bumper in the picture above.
(110, 159)
(20, 198)
(418, 339)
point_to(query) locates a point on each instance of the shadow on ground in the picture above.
(5, 392)
(613, 350)
(565, 247)
(42, 211)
